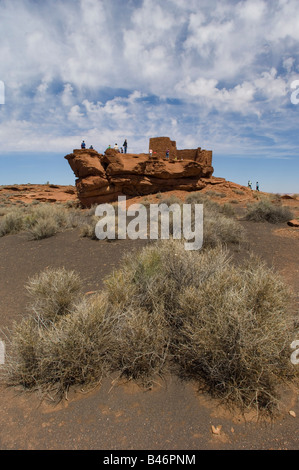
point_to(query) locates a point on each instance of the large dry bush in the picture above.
(77, 348)
(190, 312)
(236, 334)
(228, 328)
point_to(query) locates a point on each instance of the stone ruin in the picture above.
(160, 144)
(103, 177)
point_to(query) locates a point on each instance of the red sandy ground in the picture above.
(171, 416)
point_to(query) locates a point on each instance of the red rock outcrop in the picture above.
(27, 193)
(104, 177)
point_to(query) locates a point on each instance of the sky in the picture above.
(220, 75)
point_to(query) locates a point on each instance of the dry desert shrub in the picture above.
(53, 293)
(192, 313)
(235, 335)
(221, 230)
(142, 341)
(266, 211)
(212, 193)
(76, 348)
(41, 220)
(11, 222)
(219, 227)
(43, 228)
(87, 229)
(226, 327)
(238, 191)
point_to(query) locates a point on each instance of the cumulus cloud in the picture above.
(115, 69)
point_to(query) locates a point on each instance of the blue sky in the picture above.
(210, 74)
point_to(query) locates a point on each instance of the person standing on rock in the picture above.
(125, 145)
(116, 147)
(83, 144)
(167, 154)
(257, 186)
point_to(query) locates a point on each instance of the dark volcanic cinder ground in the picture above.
(172, 416)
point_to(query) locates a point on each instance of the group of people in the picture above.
(123, 149)
(167, 155)
(83, 145)
(257, 186)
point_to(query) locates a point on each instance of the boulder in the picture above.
(293, 223)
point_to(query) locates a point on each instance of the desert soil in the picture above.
(122, 416)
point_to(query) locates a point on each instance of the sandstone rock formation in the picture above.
(27, 193)
(104, 177)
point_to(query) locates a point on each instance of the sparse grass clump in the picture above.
(87, 229)
(40, 220)
(265, 211)
(239, 192)
(215, 194)
(219, 227)
(43, 228)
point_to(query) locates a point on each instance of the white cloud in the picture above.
(106, 70)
